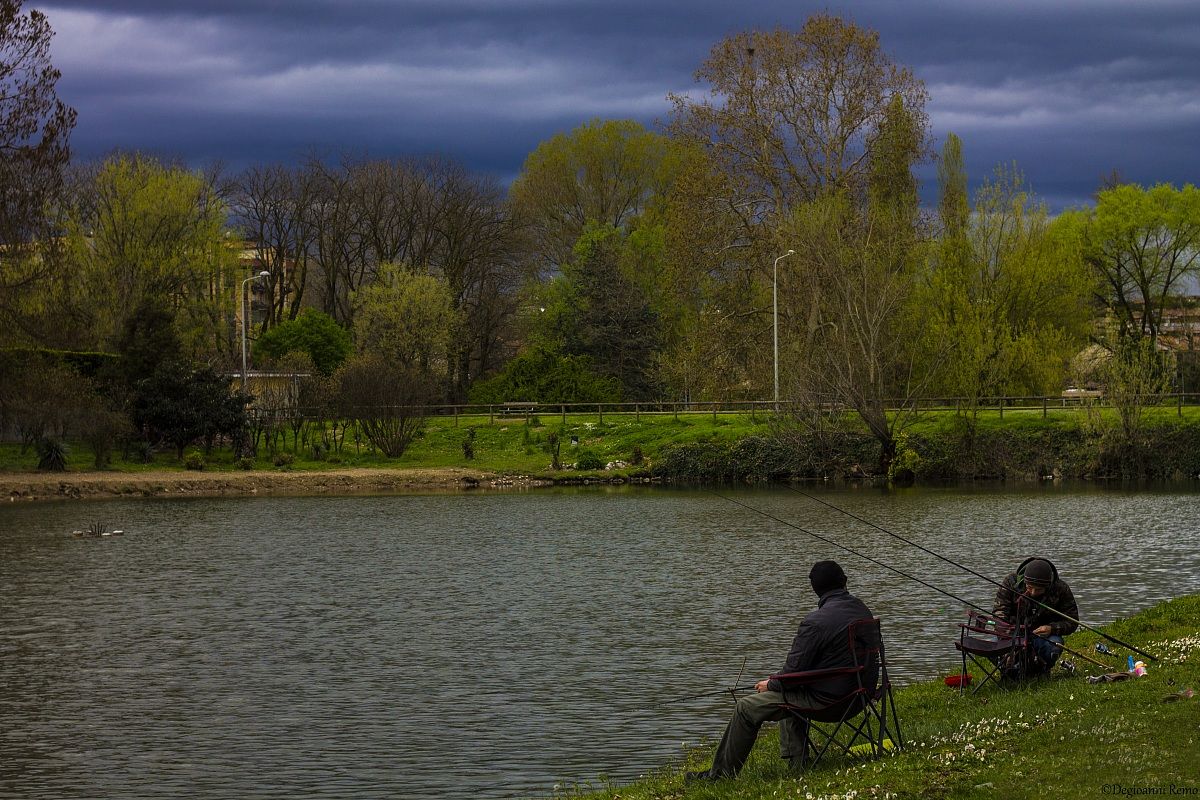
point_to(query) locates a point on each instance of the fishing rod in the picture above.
(1076, 653)
(730, 691)
(853, 552)
(992, 581)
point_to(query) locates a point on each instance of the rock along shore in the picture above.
(17, 486)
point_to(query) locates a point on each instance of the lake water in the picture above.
(484, 645)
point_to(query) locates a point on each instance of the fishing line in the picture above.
(852, 551)
(965, 568)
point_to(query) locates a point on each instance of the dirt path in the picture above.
(18, 486)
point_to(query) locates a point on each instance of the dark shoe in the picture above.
(703, 775)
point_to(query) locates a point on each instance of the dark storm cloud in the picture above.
(1069, 90)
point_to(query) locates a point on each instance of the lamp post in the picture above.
(775, 319)
(245, 321)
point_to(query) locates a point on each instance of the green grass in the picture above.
(1054, 737)
(505, 446)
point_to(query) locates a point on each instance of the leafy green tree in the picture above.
(1006, 294)
(607, 172)
(1143, 245)
(143, 230)
(313, 333)
(407, 318)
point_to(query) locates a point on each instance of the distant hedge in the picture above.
(87, 364)
(1167, 451)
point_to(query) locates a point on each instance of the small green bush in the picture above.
(194, 460)
(246, 463)
(589, 461)
(333, 458)
(283, 460)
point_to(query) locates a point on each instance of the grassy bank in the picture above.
(1024, 445)
(504, 446)
(1058, 736)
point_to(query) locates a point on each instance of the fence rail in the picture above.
(526, 410)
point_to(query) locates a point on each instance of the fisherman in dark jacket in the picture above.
(820, 643)
(1030, 597)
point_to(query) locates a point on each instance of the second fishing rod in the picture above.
(965, 568)
(904, 574)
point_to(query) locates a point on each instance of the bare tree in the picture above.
(793, 115)
(271, 206)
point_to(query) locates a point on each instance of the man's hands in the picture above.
(761, 686)
(1041, 630)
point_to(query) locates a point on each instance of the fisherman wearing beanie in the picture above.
(1034, 596)
(820, 643)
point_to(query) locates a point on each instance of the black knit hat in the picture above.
(826, 576)
(1039, 572)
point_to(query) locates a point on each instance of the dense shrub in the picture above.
(540, 376)
(194, 460)
(314, 333)
(589, 461)
(1168, 451)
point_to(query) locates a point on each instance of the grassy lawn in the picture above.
(507, 446)
(1055, 737)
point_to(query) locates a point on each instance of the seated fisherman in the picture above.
(1031, 596)
(820, 643)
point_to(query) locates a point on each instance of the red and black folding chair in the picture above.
(865, 714)
(999, 649)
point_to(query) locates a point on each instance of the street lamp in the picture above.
(775, 319)
(245, 321)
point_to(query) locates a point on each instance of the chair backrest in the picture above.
(866, 648)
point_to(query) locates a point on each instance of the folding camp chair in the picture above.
(866, 713)
(998, 648)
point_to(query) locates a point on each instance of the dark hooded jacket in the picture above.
(822, 643)
(1012, 606)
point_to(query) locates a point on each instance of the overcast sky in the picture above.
(1069, 90)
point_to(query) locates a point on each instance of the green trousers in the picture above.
(748, 716)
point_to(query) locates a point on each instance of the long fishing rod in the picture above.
(992, 581)
(730, 691)
(852, 551)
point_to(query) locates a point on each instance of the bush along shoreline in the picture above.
(1055, 736)
(1167, 451)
